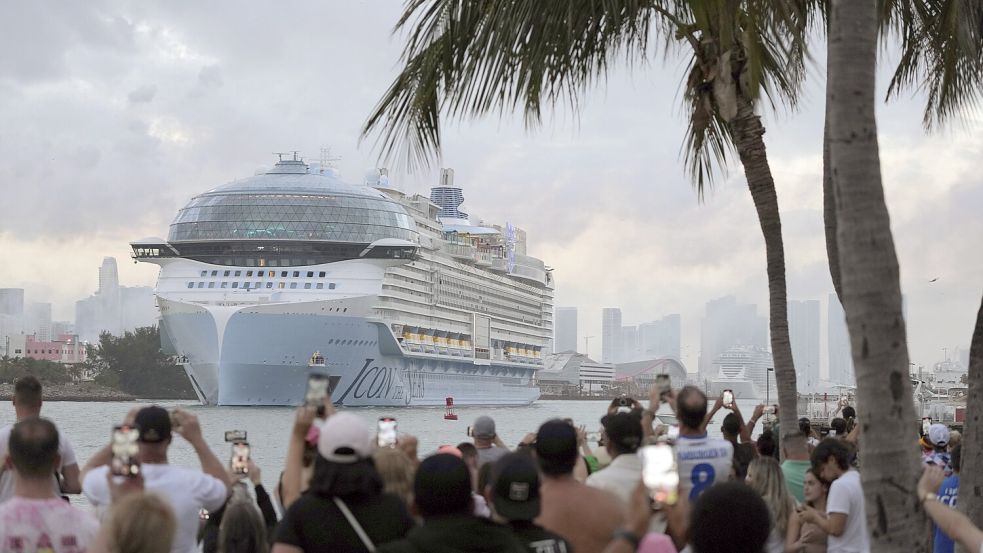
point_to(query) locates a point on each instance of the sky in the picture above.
(114, 114)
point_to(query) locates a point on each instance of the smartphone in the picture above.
(386, 434)
(126, 451)
(770, 410)
(470, 434)
(659, 473)
(240, 458)
(317, 391)
(664, 383)
(235, 435)
(673, 434)
(728, 398)
(926, 425)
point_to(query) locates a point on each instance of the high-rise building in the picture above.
(840, 360)
(728, 324)
(629, 345)
(11, 301)
(113, 308)
(565, 329)
(38, 321)
(660, 338)
(803, 329)
(611, 335)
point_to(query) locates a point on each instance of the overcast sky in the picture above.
(113, 114)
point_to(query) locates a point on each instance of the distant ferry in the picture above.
(399, 299)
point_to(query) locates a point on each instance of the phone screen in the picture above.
(728, 398)
(235, 435)
(469, 432)
(926, 425)
(387, 432)
(126, 451)
(659, 473)
(240, 458)
(317, 390)
(673, 434)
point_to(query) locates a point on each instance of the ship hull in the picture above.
(259, 356)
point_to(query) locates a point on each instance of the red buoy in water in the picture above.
(449, 414)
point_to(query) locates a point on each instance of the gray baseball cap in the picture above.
(484, 427)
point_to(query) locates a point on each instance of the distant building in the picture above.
(37, 320)
(660, 338)
(565, 329)
(728, 324)
(570, 373)
(114, 308)
(803, 329)
(610, 335)
(67, 349)
(11, 301)
(840, 361)
(629, 344)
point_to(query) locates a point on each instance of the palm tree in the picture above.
(871, 285)
(470, 58)
(970, 477)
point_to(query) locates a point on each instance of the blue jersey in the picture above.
(702, 462)
(948, 493)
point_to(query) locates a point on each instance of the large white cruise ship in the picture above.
(400, 299)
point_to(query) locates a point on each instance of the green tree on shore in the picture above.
(48, 372)
(133, 363)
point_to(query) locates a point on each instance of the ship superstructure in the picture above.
(405, 306)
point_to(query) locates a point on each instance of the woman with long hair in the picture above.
(765, 477)
(138, 522)
(804, 536)
(243, 529)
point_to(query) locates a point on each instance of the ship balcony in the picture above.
(483, 259)
(461, 252)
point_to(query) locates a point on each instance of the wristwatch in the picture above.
(628, 536)
(929, 496)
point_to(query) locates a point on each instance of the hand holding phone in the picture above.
(317, 392)
(770, 409)
(727, 398)
(235, 436)
(659, 473)
(663, 383)
(386, 433)
(240, 458)
(926, 425)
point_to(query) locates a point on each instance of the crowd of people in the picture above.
(341, 491)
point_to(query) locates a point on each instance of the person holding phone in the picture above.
(703, 461)
(187, 491)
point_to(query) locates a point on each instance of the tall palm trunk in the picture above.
(829, 203)
(748, 133)
(971, 474)
(871, 287)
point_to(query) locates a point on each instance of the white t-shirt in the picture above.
(188, 491)
(7, 477)
(702, 462)
(846, 496)
(34, 525)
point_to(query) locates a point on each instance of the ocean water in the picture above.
(88, 426)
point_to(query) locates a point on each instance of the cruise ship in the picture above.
(745, 371)
(401, 300)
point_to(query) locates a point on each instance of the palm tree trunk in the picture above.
(829, 208)
(871, 287)
(748, 133)
(971, 473)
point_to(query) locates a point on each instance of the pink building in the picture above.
(67, 348)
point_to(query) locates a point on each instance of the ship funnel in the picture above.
(447, 177)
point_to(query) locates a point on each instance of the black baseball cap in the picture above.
(624, 430)
(515, 487)
(154, 423)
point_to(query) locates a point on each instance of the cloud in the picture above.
(142, 95)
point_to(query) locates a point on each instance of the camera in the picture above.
(623, 401)
(235, 436)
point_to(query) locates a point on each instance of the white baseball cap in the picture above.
(938, 435)
(344, 438)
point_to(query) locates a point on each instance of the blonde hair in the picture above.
(243, 528)
(140, 523)
(397, 472)
(767, 480)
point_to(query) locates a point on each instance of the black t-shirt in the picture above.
(743, 455)
(314, 523)
(538, 539)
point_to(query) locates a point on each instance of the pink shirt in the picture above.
(32, 525)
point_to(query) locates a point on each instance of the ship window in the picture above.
(201, 285)
(191, 284)
(226, 273)
(245, 286)
(296, 274)
(249, 273)
(214, 273)
(331, 286)
(211, 285)
(346, 310)
(269, 284)
(225, 285)
(235, 284)
(280, 286)
(310, 274)
(283, 274)
(320, 285)
(272, 274)
(257, 284)
(321, 274)
(293, 285)
(330, 341)
(204, 273)
(238, 273)
(307, 286)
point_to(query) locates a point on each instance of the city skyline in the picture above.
(121, 121)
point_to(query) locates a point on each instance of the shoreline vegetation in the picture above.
(83, 391)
